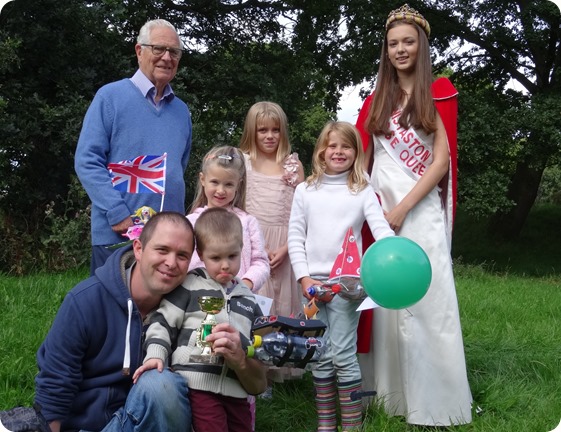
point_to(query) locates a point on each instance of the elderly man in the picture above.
(136, 138)
(89, 356)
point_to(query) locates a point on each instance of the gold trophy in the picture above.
(212, 306)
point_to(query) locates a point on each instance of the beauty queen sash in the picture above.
(406, 148)
(445, 98)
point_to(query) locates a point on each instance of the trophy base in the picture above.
(206, 359)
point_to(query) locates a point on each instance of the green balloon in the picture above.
(395, 272)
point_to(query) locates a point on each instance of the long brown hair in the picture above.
(419, 112)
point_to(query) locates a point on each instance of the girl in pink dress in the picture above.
(272, 174)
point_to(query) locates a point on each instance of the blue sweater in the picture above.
(121, 124)
(80, 379)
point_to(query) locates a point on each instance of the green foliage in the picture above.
(550, 187)
(513, 42)
(66, 238)
(52, 72)
(498, 133)
(18, 245)
(223, 82)
(60, 53)
(8, 53)
(60, 239)
(535, 252)
(54, 55)
(486, 149)
(305, 132)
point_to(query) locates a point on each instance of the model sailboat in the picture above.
(344, 278)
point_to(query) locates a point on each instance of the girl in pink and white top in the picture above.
(222, 183)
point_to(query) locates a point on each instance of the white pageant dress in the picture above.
(416, 362)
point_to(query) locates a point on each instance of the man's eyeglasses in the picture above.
(160, 50)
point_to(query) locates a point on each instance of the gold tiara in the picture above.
(406, 12)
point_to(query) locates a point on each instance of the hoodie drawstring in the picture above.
(127, 358)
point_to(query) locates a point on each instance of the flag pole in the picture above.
(164, 192)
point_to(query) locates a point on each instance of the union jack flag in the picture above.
(143, 174)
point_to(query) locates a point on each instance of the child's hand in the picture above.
(248, 283)
(306, 282)
(152, 363)
(277, 257)
(226, 341)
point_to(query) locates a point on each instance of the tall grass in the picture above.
(510, 304)
(28, 306)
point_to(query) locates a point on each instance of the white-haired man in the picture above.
(126, 121)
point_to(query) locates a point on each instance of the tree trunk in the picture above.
(522, 190)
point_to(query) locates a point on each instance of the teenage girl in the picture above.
(335, 197)
(417, 364)
(222, 183)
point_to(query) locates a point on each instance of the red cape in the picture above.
(446, 102)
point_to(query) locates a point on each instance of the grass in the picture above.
(512, 334)
(28, 306)
(510, 303)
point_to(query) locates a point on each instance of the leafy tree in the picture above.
(488, 45)
(59, 53)
(507, 41)
(62, 52)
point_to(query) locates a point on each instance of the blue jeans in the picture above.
(157, 402)
(340, 358)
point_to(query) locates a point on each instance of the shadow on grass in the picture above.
(534, 253)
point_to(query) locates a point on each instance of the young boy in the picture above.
(217, 392)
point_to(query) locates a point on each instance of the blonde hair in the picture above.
(217, 224)
(228, 158)
(257, 114)
(420, 111)
(357, 180)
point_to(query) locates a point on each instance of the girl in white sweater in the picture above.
(336, 196)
